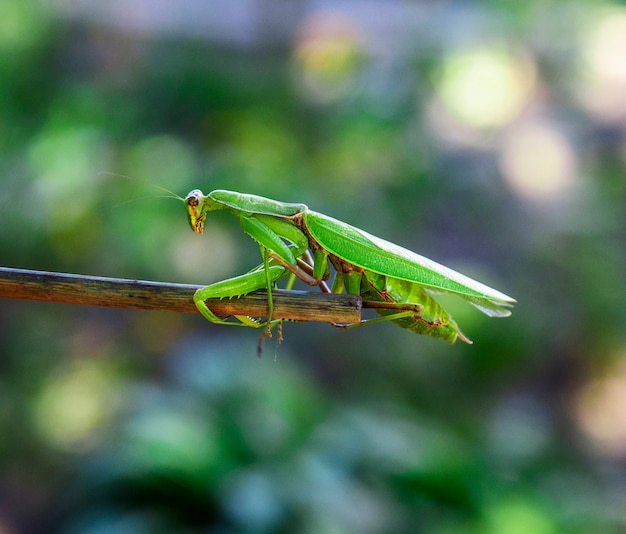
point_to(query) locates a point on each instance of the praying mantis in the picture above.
(297, 242)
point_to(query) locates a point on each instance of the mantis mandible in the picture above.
(400, 280)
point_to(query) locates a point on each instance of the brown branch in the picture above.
(139, 294)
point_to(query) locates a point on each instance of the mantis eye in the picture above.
(193, 198)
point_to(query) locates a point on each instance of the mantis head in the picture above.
(194, 203)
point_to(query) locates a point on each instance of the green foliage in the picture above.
(135, 421)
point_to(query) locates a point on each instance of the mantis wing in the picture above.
(372, 253)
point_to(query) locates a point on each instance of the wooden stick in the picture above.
(144, 295)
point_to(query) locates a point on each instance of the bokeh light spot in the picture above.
(165, 438)
(603, 85)
(518, 516)
(485, 88)
(326, 54)
(537, 162)
(600, 410)
(67, 162)
(21, 24)
(75, 403)
(205, 258)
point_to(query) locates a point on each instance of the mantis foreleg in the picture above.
(262, 277)
(277, 254)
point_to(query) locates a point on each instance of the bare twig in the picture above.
(138, 294)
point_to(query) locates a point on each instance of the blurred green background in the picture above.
(489, 136)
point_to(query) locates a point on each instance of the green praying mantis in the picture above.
(297, 242)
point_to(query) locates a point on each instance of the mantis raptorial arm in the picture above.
(235, 287)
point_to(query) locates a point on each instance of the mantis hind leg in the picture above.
(403, 311)
(447, 330)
